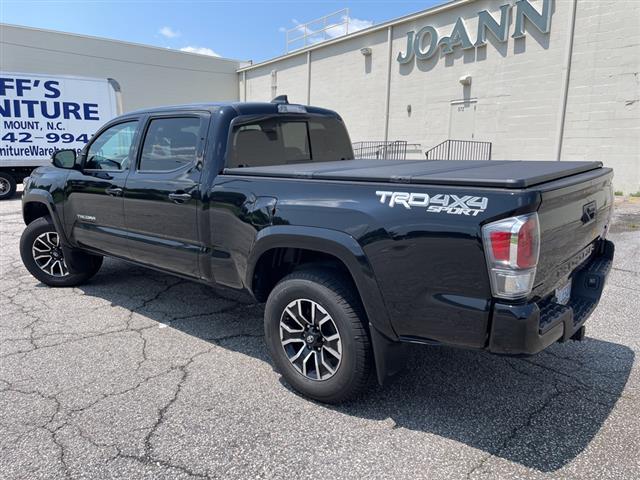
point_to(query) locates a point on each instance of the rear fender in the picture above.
(348, 251)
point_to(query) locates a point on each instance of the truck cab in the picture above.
(167, 160)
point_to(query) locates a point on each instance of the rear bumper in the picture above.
(529, 328)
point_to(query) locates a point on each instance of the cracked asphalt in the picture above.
(142, 375)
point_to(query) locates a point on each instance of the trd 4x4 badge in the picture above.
(439, 203)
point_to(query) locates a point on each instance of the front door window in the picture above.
(112, 149)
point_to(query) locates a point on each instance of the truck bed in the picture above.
(500, 174)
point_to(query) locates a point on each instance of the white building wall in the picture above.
(344, 80)
(290, 79)
(518, 86)
(603, 108)
(148, 76)
(333, 73)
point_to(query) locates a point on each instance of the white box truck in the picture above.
(42, 113)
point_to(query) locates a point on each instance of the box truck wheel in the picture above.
(7, 185)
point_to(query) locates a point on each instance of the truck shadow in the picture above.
(540, 411)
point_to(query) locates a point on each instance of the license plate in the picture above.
(563, 294)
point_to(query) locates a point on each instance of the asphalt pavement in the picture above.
(143, 375)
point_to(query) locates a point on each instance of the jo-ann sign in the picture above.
(425, 43)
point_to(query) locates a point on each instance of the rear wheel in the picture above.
(316, 335)
(7, 186)
(42, 255)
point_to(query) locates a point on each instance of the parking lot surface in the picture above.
(143, 375)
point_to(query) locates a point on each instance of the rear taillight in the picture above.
(512, 247)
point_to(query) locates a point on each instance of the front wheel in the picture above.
(315, 333)
(42, 255)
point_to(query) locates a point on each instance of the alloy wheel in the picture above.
(48, 255)
(310, 339)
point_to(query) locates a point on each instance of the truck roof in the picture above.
(491, 173)
(242, 108)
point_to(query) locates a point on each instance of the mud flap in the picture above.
(76, 260)
(390, 356)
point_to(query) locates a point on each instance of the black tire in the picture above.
(7, 186)
(338, 297)
(86, 266)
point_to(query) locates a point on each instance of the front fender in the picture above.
(43, 197)
(335, 243)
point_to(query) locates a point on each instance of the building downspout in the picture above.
(309, 77)
(387, 105)
(244, 85)
(566, 76)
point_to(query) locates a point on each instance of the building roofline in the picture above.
(407, 18)
(120, 42)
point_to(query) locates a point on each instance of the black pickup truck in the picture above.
(354, 258)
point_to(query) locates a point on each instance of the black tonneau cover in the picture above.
(492, 173)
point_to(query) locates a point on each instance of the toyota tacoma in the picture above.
(354, 258)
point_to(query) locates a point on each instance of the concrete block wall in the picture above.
(333, 74)
(603, 104)
(344, 80)
(290, 79)
(518, 86)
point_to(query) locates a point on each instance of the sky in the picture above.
(244, 30)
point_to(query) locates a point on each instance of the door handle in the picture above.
(179, 197)
(113, 191)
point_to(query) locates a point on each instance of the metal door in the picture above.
(462, 123)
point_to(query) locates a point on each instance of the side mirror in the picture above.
(64, 158)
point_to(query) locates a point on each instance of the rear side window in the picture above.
(170, 143)
(277, 141)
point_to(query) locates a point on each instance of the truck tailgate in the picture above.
(573, 213)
